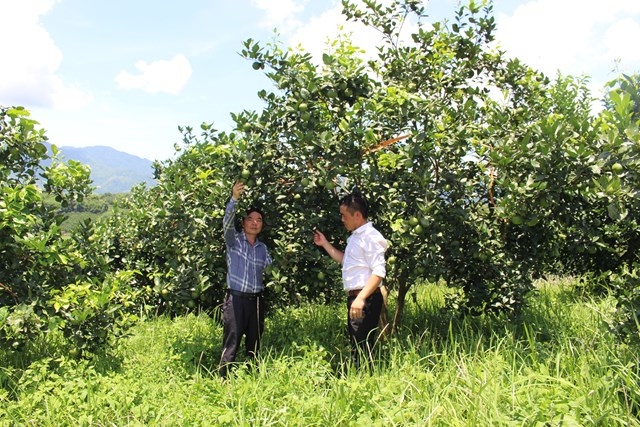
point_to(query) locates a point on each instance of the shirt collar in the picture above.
(362, 228)
(244, 236)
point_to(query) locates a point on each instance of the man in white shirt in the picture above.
(363, 269)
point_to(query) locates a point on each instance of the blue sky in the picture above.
(127, 73)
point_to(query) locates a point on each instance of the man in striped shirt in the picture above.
(247, 257)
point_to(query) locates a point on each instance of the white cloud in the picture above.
(314, 34)
(545, 34)
(158, 76)
(621, 41)
(565, 35)
(280, 13)
(31, 59)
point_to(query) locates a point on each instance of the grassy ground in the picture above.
(557, 365)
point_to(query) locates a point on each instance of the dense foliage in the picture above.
(45, 283)
(34, 259)
(93, 207)
(503, 172)
(481, 172)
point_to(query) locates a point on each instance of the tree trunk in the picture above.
(403, 288)
(383, 323)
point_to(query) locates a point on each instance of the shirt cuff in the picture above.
(380, 272)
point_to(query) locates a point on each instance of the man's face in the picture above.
(252, 224)
(349, 219)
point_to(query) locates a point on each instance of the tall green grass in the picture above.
(557, 364)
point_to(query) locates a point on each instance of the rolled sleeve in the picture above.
(377, 261)
(363, 257)
(227, 222)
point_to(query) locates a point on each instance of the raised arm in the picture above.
(320, 240)
(230, 213)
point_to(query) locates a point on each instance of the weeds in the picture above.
(555, 365)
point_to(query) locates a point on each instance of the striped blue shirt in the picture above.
(245, 262)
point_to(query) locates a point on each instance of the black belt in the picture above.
(246, 295)
(355, 292)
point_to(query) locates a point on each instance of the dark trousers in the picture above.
(241, 316)
(362, 336)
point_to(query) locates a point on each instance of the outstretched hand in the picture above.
(237, 189)
(318, 238)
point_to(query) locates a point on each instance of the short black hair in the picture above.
(254, 209)
(246, 215)
(355, 203)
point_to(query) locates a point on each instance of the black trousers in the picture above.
(241, 316)
(362, 336)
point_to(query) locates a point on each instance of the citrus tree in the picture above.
(503, 175)
(320, 136)
(414, 129)
(34, 259)
(614, 265)
(480, 171)
(170, 235)
(48, 281)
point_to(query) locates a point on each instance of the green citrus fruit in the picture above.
(617, 167)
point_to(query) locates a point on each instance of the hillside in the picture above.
(112, 171)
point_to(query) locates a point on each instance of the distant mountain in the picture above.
(112, 171)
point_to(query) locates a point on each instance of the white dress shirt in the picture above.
(363, 256)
